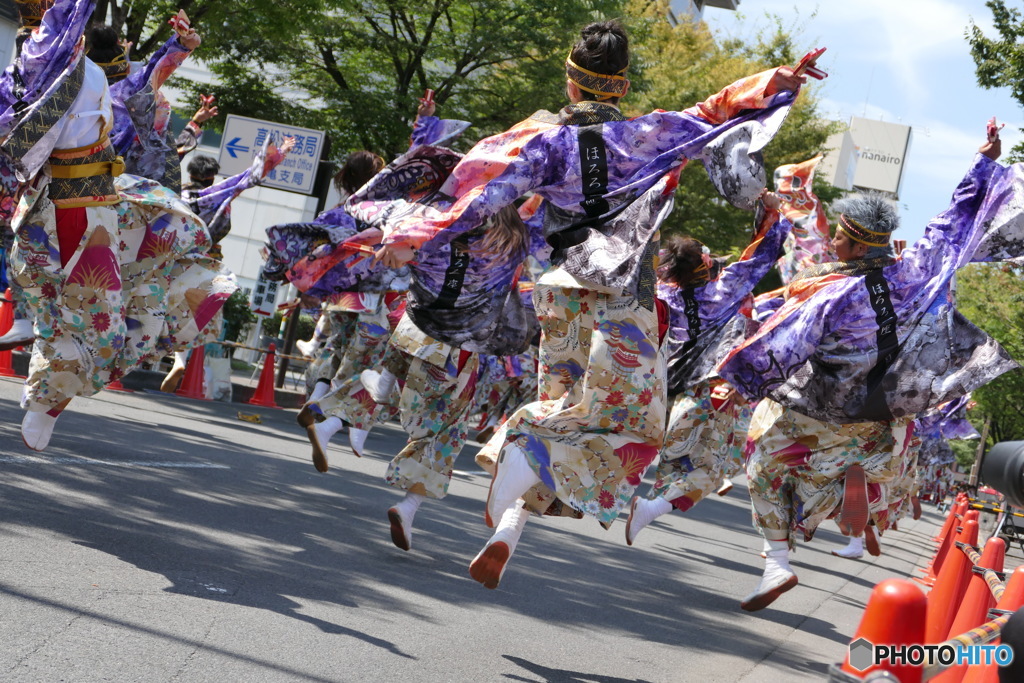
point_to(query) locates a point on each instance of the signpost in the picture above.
(244, 137)
(264, 296)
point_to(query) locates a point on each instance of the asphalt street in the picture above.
(163, 539)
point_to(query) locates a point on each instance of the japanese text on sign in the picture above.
(244, 137)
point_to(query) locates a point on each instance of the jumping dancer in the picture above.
(859, 348)
(112, 273)
(707, 427)
(608, 183)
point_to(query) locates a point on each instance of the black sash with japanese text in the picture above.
(454, 277)
(885, 318)
(594, 180)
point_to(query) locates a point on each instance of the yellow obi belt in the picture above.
(84, 176)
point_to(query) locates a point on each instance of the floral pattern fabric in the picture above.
(440, 382)
(367, 342)
(704, 444)
(797, 464)
(138, 285)
(600, 418)
(808, 243)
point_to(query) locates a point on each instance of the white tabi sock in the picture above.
(778, 577)
(641, 513)
(37, 427)
(489, 564)
(328, 428)
(357, 439)
(512, 479)
(853, 550)
(378, 384)
(308, 349)
(320, 389)
(401, 517)
(20, 332)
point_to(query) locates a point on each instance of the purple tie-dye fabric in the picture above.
(430, 130)
(819, 353)
(544, 155)
(695, 347)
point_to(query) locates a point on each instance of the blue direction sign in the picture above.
(234, 149)
(244, 137)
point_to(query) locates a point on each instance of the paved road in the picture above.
(162, 539)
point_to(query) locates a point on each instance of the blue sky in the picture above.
(904, 61)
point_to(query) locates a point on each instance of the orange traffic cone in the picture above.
(895, 615)
(1012, 600)
(949, 524)
(945, 597)
(264, 394)
(192, 383)
(977, 602)
(948, 538)
(6, 322)
(1013, 595)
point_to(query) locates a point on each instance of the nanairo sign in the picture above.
(881, 154)
(244, 137)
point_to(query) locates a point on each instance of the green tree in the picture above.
(357, 67)
(992, 297)
(999, 60)
(683, 65)
(144, 22)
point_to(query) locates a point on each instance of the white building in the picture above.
(679, 10)
(870, 155)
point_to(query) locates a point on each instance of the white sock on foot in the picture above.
(308, 349)
(21, 331)
(778, 577)
(357, 439)
(328, 428)
(853, 550)
(37, 428)
(489, 564)
(641, 513)
(320, 389)
(512, 479)
(401, 517)
(378, 384)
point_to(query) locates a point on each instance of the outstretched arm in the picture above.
(739, 278)
(751, 92)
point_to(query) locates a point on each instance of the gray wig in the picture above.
(874, 212)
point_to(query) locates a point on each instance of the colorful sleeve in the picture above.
(982, 204)
(739, 278)
(430, 130)
(214, 201)
(53, 46)
(746, 93)
(496, 172)
(158, 69)
(783, 344)
(190, 138)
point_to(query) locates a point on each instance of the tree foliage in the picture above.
(355, 68)
(992, 297)
(999, 60)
